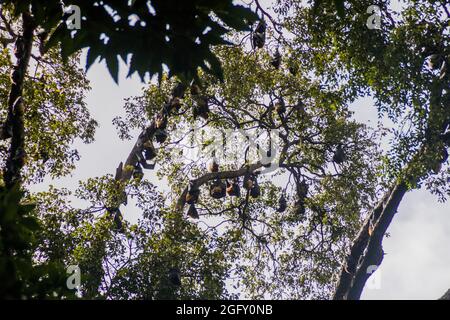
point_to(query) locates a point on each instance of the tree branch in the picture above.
(124, 172)
(217, 175)
(374, 251)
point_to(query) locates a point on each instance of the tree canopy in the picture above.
(273, 189)
(146, 36)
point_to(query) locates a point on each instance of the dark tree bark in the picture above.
(124, 171)
(14, 126)
(367, 249)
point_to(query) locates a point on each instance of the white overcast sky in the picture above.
(417, 260)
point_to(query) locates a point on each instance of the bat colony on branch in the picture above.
(218, 189)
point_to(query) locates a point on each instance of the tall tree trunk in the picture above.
(14, 126)
(366, 250)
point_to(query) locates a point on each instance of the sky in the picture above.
(417, 260)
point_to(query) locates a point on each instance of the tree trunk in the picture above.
(14, 126)
(367, 249)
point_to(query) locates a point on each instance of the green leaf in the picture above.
(92, 55)
(340, 7)
(113, 67)
(30, 223)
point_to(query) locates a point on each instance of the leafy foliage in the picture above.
(240, 246)
(391, 64)
(262, 241)
(56, 110)
(339, 6)
(22, 278)
(146, 35)
(133, 264)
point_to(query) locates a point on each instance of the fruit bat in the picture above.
(276, 60)
(175, 276)
(193, 193)
(218, 190)
(160, 135)
(213, 166)
(161, 122)
(233, 189)
(178, 91)
(339, 155)
(255, 192)
(248, 182)
(259, 35)
(201, 108)
(280, 107)
(192, 211)
(282, 204)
